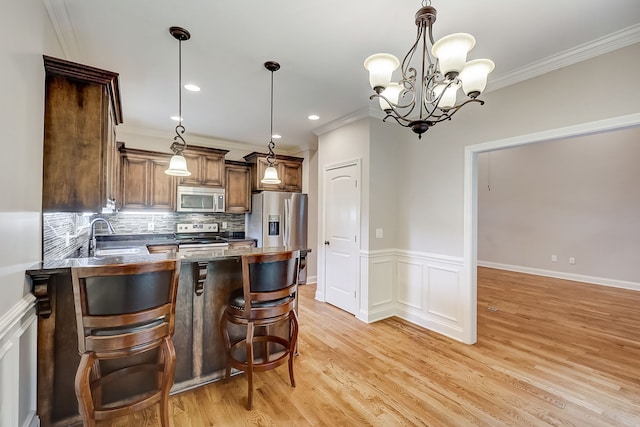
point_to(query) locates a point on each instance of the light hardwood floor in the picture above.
(553, 353)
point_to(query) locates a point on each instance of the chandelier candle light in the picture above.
(440, 78)
(178, 164)
(270, 173)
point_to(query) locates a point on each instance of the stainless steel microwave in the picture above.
(200, 199)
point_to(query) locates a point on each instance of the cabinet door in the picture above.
(206, 166)
(238, 188)
(134, 182)
(82, 107)
(291, 176)
(213, 171)
(162, 194)
(144, 185)
(193, 165)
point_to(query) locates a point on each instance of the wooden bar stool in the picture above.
(267, 298)
(125, 317)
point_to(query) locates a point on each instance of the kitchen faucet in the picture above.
(92, 233)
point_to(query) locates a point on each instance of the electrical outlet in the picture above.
(379, 233)
(554, 258)
(224, 225)
(150, 226)
(572, 260)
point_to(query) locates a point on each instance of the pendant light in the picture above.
(178, 164)
(270, 173)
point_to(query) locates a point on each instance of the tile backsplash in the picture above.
(165, 222)
(66, 234)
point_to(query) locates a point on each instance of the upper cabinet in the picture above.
(143, 183)
(289, 171)
(206, 166)
(238, 187)
(82, 108)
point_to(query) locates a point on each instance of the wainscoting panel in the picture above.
(420, 287)
(411, 283)
(378, 296)
(443, 290)
(18, 342)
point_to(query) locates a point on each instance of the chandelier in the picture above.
(434, 94)
(178, 164)
(271, 173)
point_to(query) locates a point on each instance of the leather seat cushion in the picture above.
(236, 300)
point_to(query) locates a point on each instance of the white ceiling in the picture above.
(320, 45)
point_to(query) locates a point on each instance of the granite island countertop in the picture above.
(203, 255)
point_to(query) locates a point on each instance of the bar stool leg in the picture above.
(293, 338)
(250, 332)
(83, 389)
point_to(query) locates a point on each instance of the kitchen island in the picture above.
(207, 277)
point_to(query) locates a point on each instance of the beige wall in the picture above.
(575, 197)
(431, 170)
(29, 34)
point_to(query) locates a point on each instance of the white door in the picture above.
(342, 246)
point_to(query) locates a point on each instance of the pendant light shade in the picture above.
(270, 176)
(178, 164)
(271, 173)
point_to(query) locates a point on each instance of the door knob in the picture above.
(326, 242)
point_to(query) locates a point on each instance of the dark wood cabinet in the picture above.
(82, 108)
(289, 171)
(237, 187)
(206, 166)
(143, 183)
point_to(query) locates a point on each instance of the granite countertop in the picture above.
(204, 255)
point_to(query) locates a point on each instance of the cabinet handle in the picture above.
(326, 242)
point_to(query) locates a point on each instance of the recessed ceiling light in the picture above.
(313, 117)
(176, 118)
(192, 87)
(276, 136)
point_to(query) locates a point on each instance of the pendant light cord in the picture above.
(271, 156)
(179, 144)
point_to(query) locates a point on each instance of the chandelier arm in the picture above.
(449, 113)
(407, 71)
(404, 122)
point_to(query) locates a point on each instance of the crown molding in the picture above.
(345, 120)
(125, 132)
(597, 47)
(61, 20)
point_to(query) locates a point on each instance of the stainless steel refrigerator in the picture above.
(279, 219)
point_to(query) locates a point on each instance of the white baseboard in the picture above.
(561, 275)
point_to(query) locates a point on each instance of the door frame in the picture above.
(470, 234)
(321, 291)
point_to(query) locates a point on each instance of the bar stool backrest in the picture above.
(125, 308)
(269, 283)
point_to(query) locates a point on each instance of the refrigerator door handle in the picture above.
(287, 222)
